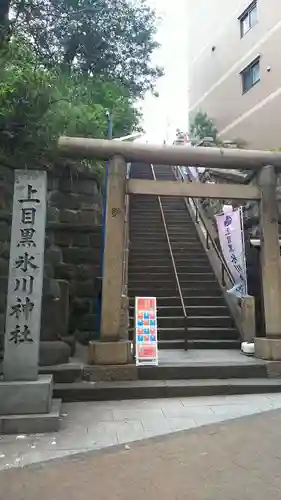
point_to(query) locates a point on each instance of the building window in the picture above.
(249, 18)
(251, 75)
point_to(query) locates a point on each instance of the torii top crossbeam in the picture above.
(169, 155)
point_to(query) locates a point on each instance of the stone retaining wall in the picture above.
(72, 256)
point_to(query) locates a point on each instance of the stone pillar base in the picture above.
(248, 318)
(110, 353)
(269, 349)
(28, 407)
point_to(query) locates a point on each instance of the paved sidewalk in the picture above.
(239, 459)
(97, 425)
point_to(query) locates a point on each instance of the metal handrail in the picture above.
(174, 266)
(209, 238)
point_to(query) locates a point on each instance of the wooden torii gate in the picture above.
(112, 348)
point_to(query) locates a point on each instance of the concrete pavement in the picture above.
(236, 459)
(97, 425)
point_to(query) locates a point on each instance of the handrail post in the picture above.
(222, 275)
(186, 333)
(196, 214)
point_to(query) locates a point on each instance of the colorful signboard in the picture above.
(146, 331)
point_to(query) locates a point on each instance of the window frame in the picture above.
(247, 68)
(247, 15)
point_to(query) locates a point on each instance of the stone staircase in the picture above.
(152, 273)
(163, 239)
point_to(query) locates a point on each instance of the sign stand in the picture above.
(146, 331)
(26, 404)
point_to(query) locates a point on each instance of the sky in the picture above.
(169, 111)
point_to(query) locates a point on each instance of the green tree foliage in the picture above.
(202, 126)
(63, 64)
(4, 20)
(37, 105)
(109, 38)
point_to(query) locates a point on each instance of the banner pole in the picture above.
(244, 249)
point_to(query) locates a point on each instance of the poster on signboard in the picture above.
(146, 331)
(230, 230)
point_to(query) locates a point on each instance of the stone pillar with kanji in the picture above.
(26, 403)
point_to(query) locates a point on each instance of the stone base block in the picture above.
(269, 349)
(108, 373)
(273, 369)
(19, 397)
(32, 424)
(110, 353)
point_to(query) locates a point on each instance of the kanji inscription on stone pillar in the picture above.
(23, 315)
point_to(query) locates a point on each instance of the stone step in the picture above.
(158, 229)
(189, 301)
(177, 242)
(138, 206)
(161, 281)
(33, 423)
(137, 269)
(155, 224)
(175, 217)
(193, 333)
(151, 292)
(157, 243)
(64, 373)
(199, 344)
(167, 276)
(159, 246)
(199, 310)
(147, 389)
(200, 370)
(146, 267)
(145, 219)
(148, 239)
(164, 257)
(144, 239)
(174, 322)
(184, 238)
(190, 297)
(173, 202)
(176, 213)
(161, 286)
(188, 293)
(186, 288)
